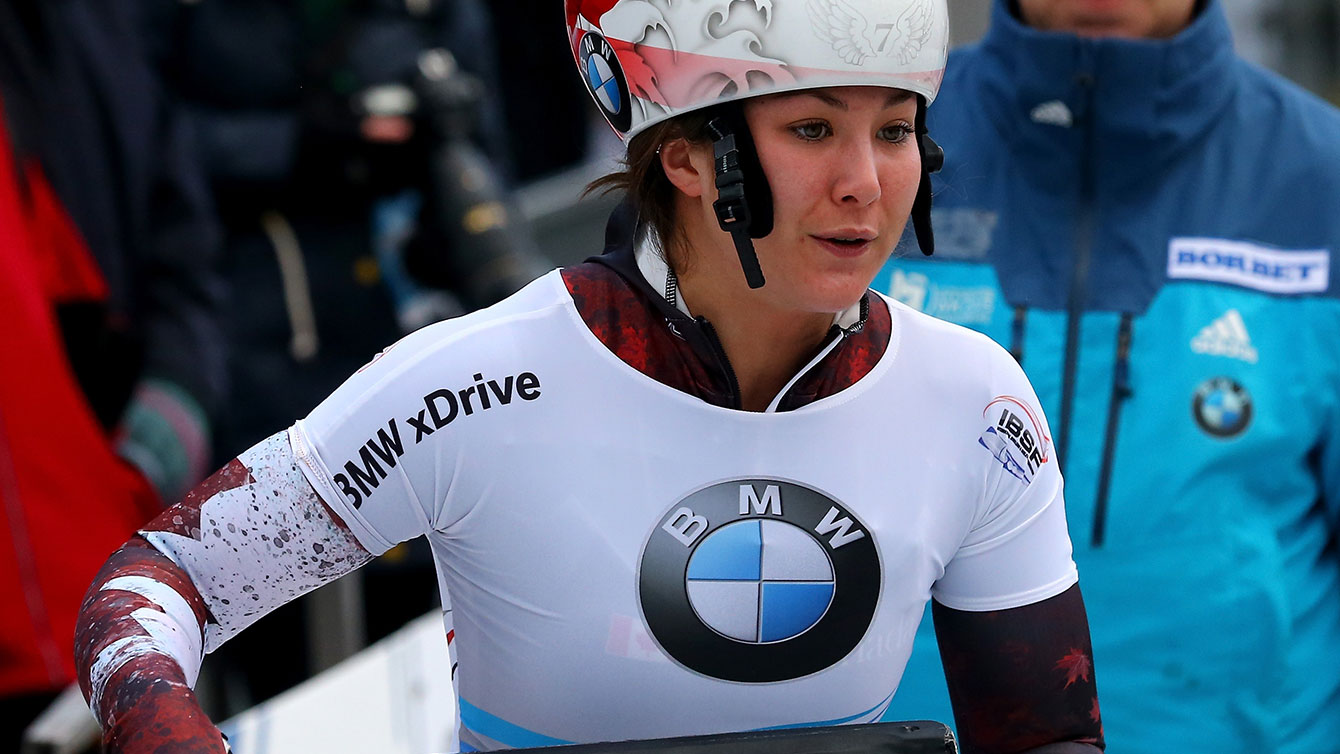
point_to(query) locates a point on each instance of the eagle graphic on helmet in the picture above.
(849, 31)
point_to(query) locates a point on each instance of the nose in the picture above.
(856, 178)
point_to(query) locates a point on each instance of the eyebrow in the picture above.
(897, 97)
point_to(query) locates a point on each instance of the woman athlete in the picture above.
(704, 482)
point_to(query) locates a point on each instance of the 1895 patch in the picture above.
(758, 580)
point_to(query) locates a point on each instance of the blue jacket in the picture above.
(1149, 227)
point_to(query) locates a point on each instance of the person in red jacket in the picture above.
(61, 521)
(112, 355)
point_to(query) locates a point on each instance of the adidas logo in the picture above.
(1226, 336)
(1053, 113)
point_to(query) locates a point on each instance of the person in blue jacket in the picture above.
(1148, 223)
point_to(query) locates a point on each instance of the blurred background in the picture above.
(352, 170)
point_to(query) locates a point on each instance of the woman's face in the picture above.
(844, 169)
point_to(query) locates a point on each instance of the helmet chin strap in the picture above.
(744, 199)
(733, 207)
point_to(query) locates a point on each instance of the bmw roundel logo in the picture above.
(1222, 407)
(758, 580)
(605, 80)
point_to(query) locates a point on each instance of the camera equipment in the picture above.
(470, 239)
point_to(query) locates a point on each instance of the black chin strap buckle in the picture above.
(732, 206)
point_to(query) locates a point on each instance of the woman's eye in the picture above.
(812, 131)
(895, 133)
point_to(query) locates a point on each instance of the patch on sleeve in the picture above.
(1015, 437)
(1249, 265)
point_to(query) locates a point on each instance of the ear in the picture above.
(684, 165)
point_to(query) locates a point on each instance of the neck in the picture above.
(766, 346)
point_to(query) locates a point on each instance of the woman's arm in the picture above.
(137, 653)
(248, 539)
(1022, 680)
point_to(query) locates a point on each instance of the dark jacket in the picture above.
(108, 306)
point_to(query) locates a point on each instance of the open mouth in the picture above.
(849, 242)
(845, 245)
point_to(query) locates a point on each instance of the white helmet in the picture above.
(645, 61)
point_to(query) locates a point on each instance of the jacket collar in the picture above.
(651, 263)
(1092, 128)
(633, 251)
(621, 256)
(1160, 91)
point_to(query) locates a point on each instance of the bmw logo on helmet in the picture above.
(758, 580)
(605, 80)
(1222, 407)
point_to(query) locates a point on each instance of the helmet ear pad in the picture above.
(932, 159)
(757, 191)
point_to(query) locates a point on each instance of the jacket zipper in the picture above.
(714, 342)
(1079, 279)
(1017, 334)
(1121, 390)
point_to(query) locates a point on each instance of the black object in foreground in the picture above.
(912, 737)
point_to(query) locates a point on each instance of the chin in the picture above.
(836, 299)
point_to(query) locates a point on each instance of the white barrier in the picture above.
(394, 697)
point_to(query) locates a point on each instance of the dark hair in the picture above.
(644, 182)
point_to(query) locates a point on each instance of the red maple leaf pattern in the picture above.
(184, 518)
(1094, 714)
(1076, 665)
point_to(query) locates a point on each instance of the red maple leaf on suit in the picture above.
(1077, 666)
